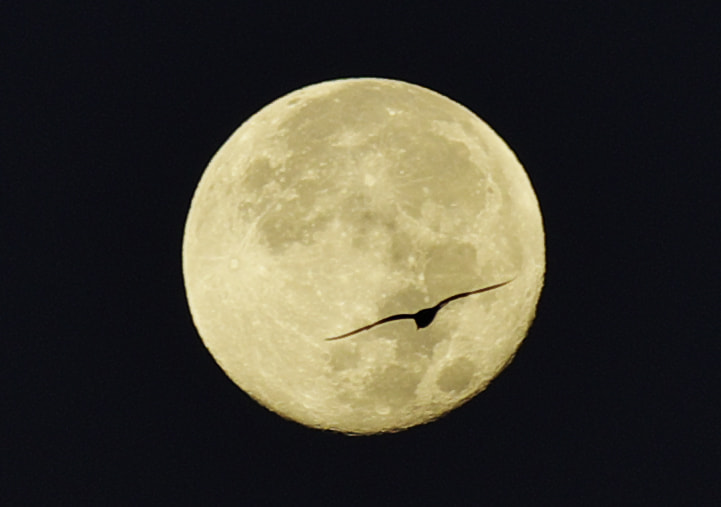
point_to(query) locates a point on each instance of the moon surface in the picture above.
(340, 204)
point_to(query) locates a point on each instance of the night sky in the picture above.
(111, 112)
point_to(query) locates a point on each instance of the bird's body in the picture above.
(423, 318)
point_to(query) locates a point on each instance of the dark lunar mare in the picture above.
(423, 318)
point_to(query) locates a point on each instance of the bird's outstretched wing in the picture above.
(464, 294)
(382, 321)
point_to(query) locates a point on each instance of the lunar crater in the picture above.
(457, 376)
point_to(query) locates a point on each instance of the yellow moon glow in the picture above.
(340, 204)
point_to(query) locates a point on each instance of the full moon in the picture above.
(343, 203)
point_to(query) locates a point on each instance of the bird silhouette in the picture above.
(423, 318)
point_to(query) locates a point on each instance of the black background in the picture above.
(110, 113)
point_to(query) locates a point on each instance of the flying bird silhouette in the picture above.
(422, 318)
